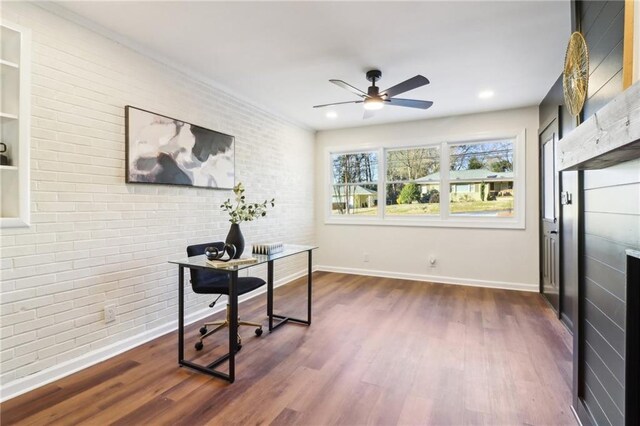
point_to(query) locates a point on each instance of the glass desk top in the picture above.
(200, 262)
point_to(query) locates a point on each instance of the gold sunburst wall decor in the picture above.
(575, 80)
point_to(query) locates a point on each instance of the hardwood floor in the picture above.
(380, 351)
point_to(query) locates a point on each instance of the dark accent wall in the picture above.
(602, 220)
(602, 24)
(611, 223)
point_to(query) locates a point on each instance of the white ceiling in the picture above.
(281, 55)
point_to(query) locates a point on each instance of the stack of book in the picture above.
(221, 264)
(268, 248)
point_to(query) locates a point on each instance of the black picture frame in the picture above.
(167, 151)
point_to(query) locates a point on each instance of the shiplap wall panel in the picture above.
(589, 13)
(602, 41)
(605, 411)
(613, 360)
(608, 380)
(606, 301)
(96, 240)
(609, 252)
(605, 326)
(611, 224)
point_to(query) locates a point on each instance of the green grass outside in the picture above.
(503, 206)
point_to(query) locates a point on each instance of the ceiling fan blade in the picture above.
(337, 103)
(350, 88)
(411, 103)
(405, 86)
(367, 114)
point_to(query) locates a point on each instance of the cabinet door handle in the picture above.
(553, 232)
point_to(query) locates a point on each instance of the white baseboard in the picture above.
(41, 378)
(432, 278)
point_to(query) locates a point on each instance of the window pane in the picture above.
(355, 167)
(355, 199)
(416, 176)
(413, 164)
(482, 160)
(478, 198)
(412, 198)
(548, 176)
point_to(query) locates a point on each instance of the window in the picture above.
(354, 183)
(481, 179)
(548, 179)
(413, 181)
(464, 184)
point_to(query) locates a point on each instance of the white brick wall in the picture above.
(95, 240)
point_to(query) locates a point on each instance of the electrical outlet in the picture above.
(365, 257)
(432, 262)
(109, 313)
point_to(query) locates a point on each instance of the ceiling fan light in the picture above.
(486, 94)
(373, 104)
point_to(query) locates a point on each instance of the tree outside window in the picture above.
(480, 182)
(355, 183)
(413, 181)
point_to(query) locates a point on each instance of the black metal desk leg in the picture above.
(180, 314)
(309, 282)
(283, 319)
(270, 293)
(233, 324)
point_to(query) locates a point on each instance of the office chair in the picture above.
(211, 282)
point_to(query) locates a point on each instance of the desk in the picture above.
(199, 262)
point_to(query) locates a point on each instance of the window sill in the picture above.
(436, 222)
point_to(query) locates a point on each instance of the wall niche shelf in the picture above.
(15, 124)
(7, 117)
(9, 64)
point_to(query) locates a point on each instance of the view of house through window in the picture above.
(481, 179)
(413, 181)
(355, 183)
(479, 183)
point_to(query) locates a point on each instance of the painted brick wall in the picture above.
(95, 240)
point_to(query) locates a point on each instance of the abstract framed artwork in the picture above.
(163, 150)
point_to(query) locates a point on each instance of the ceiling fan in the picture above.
(374, 99)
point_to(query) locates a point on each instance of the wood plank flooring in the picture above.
(379, 351)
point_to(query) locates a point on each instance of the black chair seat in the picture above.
(245, 285)
(212, 282)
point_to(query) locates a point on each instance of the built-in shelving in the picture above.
(9, 64)
(14, 124)
(7, 117)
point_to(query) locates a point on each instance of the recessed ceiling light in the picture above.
(486, 94)
(332, 114)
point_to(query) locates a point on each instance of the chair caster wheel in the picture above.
(199, 346)
(203, 330)
(258, 332)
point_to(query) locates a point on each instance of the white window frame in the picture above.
(329, 164)
(445, 219)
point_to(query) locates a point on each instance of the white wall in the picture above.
(490, 257)
(95, 240)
